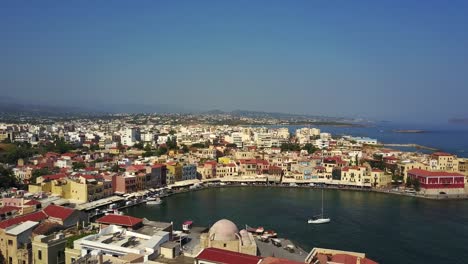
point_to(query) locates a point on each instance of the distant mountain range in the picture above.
(261, 114)
(12, 105)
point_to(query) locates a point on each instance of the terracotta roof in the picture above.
(69, 155)
(36, 217)
(59, 212)
(136, 167)
(441, 154)
(121, 220)
(47, 228)
(425, 173)
(32, 202)
(88, 177)
(54, 176)
(7, 209)
(228, 257)
(350, 259)
(352, 168)
(273, 260)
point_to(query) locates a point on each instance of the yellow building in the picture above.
(355, 175)
(115, 151)
(175, 168)
(49, 249)
(442, 161)
(224, 160)
(83, 189)
(71, 255)
(404, 167)
(225, 235)
(14, 241)
(379, 179)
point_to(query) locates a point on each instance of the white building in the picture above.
(130, 136)
(262, 139)
(365, 140)
(117, 241)
(237, 138)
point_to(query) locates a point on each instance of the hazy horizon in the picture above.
(395, 60)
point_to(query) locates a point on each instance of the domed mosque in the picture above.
(225, 235)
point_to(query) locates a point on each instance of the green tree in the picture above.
(94, 147)
(161, 151)
(198, 145)
(18, 150)
(148, 147)
(310, 148)
(409, 182)
(290, 147)
(115, 168)
(7, 179)
(416, 185)
(39, 172)
(172, 144)
(78, 166)
(185, 149)
(139, 146)
(148, 154)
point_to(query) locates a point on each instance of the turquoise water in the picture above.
(389, 228)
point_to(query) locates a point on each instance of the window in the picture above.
(225, 245)
(10, 242)
(39, 255)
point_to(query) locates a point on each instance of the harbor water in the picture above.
(388, 228)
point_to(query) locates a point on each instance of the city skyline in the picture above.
(398, 60)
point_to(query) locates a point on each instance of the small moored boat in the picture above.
(151, 201)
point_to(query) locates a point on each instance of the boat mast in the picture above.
(322, 202)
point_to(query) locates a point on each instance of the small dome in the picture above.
(224, 230)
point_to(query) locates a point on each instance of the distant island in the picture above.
(410, 131)
(460, 121)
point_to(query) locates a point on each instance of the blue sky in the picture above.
(393, 60)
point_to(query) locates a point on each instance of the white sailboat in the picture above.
(319, 219)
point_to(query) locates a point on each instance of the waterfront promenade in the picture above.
(216, 183)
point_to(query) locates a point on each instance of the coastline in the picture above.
(414, 131)
(383, 191)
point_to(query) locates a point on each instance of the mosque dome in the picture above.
(224, 230)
